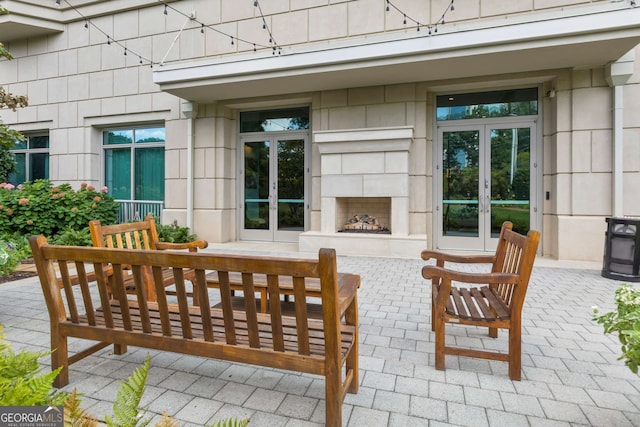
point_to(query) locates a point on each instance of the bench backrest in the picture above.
(92, 304)
(130, 235)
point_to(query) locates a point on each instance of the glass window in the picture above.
(32, 159)
(275, 120)
(134, 163)
(480, 105)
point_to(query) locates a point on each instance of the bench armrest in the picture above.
(192, 246)
(428, 254)
(348, 285)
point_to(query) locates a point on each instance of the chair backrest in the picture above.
(130, 235)
(515, 253)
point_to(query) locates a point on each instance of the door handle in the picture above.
(480, 204)
(488, 204)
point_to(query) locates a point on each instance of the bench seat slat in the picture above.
(289, 342)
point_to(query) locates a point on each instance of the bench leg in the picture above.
(119, 349)
(60, 358)
(493, 332)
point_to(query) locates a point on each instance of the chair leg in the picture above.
(515, 352)
(438, 322)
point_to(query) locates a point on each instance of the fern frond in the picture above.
(74, 415)
(125, 409)
(167, 421)
(231, 422)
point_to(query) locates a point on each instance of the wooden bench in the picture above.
(326, 346)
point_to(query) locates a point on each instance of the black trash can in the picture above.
(622, 250)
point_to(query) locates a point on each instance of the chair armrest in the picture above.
(432, 271)
(192, 246)
(444, 257)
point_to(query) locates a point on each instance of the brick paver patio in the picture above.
(571, 375)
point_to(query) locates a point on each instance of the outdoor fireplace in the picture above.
(364, 173)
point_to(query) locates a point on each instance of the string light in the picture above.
(232, 37)
(265, 26)
(431, 28)
(110, 40)
(166, 12)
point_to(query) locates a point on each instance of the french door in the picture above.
(274, 186)
(486, 174)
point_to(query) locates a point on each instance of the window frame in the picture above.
(132, 147)
(28, 173)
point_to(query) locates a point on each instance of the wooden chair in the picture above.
(497, 304)
(141, 235)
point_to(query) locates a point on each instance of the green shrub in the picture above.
(173, 233)
(625, 320)
(38, 207)
(72, 237)
(13, 249)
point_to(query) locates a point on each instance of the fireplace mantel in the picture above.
(369, 140)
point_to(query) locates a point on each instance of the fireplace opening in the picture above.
(363, 215)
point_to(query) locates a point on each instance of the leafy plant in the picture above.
(173, 233)
(9, 258)
(125, 409)
(39, 207)
(22, 383)
(73, 237)
(625, 320)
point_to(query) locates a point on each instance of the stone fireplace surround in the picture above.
(371, 163)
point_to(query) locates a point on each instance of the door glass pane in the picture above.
(39, 166)
(256, 185)
(291, 185)
(149, 178)
(117, 167)
(510, 199)
(460, 169)
(502, 103)
(275, 120)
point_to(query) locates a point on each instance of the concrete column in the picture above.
(617, 74)
(190, 111)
